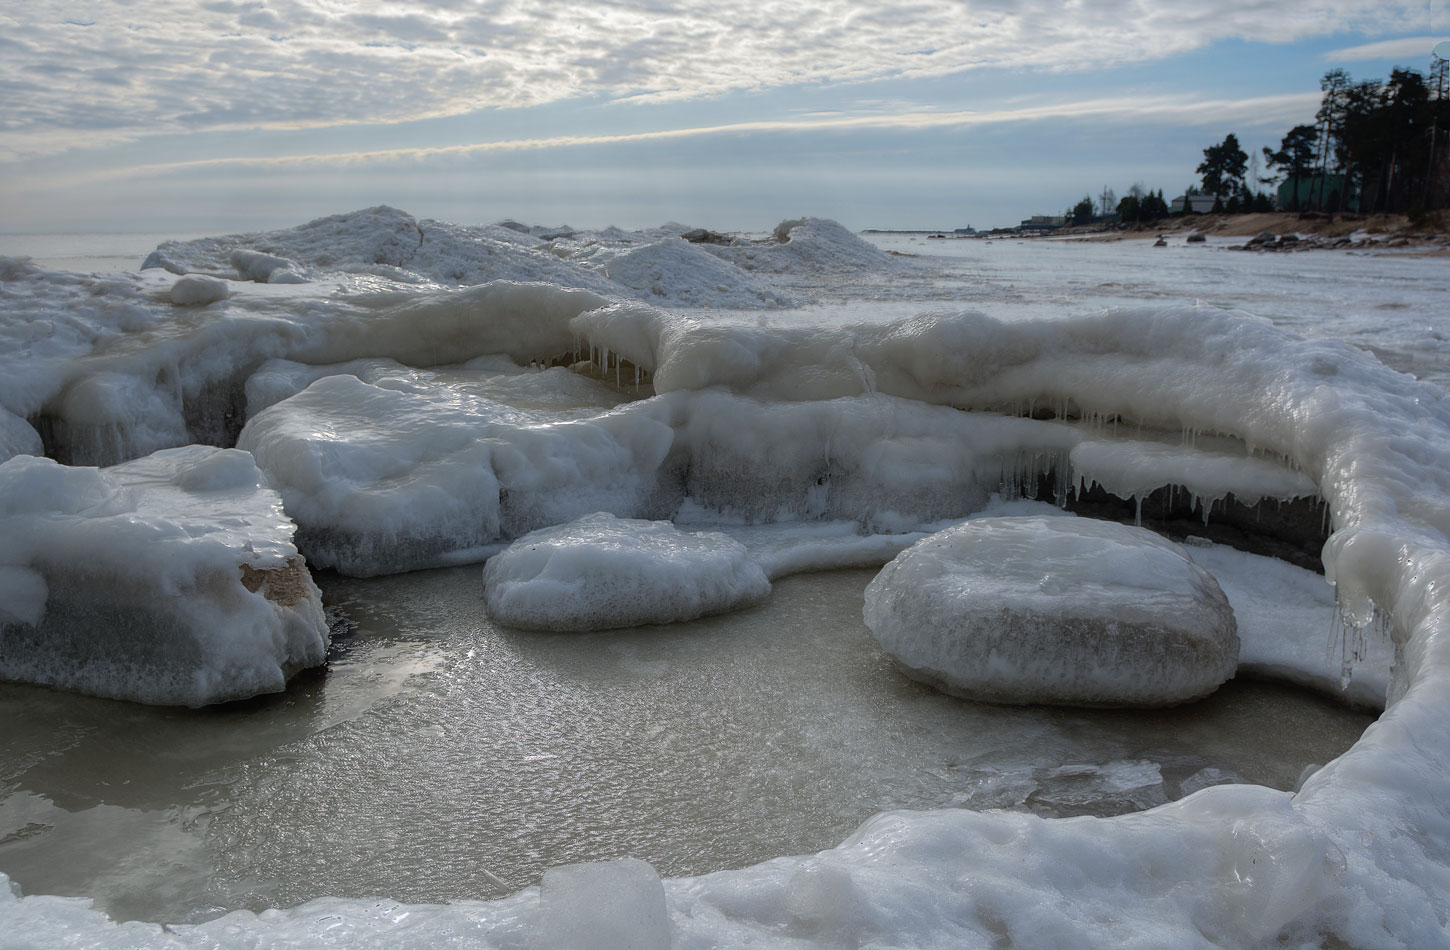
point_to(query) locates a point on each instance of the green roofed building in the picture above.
(1319, 192)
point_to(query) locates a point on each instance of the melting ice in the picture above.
(419, 394)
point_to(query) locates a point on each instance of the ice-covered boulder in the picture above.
(171, 579)
(196, 290)
(600, 572)
(1055, 610)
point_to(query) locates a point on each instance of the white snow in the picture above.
(132, 582)
(1054, 610)
(600, 571)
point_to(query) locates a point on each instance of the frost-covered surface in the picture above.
(1357, 856)
(171, 579)
(1055, 610)
(599, 572)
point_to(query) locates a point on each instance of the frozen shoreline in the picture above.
(1355, 853)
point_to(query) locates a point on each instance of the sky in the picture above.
(187, 116)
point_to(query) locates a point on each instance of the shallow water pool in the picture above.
(442, 757)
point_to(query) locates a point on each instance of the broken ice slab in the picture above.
(170, 580)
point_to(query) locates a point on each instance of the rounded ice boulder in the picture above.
(599, 572)
(1066, 611)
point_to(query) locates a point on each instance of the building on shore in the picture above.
(1042, 222)
(1198, 204)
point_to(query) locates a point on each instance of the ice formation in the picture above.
(1054, 610)
(108, 368)
(171, 579)
(599, 572)
(195, 290)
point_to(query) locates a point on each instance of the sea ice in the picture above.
(1054, 610)
(170, 580)
(600, 572)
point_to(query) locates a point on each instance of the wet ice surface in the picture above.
(439, 753)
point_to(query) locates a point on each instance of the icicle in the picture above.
(1138, 514)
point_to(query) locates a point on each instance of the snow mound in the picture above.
(601, 572)
(1055, 610)
(170, 580)
(383, 242)
(678, 273)
(808, 246)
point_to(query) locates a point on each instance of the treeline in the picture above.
(1380, 145)
(1139, 204)
(1375, 146)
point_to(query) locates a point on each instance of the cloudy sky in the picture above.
(174, 115)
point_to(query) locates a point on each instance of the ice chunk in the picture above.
(195, 290)
(267, 268)
(601, 571)
(170, 580)
(1054, 610)
(606, 905)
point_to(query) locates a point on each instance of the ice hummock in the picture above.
(171, 579)
(1055, 610)
(599, 572)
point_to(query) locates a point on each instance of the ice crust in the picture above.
(599, 572)
(1054, 610)
(1356, 856)
(171, 579)
(385, 478)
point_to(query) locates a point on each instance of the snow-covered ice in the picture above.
(600, 571)
(857, 411)
(1055, 610)
(171, 579)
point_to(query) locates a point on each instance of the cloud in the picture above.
(1259, 110)
(168, 66)
(1412, 47)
